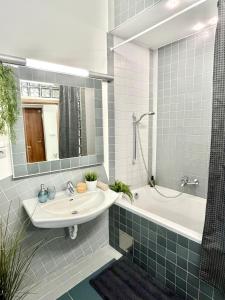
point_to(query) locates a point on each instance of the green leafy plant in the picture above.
(91, 176)
(8, 101)
(120, 187)
(15, 262)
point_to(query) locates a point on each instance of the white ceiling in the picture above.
(69, 32)
(173, 30)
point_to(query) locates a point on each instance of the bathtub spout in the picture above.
(187, 181)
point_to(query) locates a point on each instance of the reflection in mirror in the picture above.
(59, 121)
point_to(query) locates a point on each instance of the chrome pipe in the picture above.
(101, 76)
(134, 138)
(13, 60)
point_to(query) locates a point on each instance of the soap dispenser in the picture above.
(43, 194)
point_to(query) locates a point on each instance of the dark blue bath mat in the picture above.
(83, 290)
(124, 280)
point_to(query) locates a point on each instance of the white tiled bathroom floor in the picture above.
(63, 280)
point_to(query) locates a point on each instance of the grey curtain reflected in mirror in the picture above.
(69, 122)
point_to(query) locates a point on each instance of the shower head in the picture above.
(151, 113)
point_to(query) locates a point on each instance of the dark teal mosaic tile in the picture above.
(172, 236)
(170, 257)
(161, 250)
(193, 269)
(144, 231)
(137, 219)
(152, 226)
(202, 296)
(161, 241)
(182, 263)
(192, 291)
(182, 252)
(160, 260)
(180, 283)
(206, 289)
(144, 222)
(194, 258)
(193, 280)
(170, 276)
(152, 236)
(152, 245)
(182, 241)
(171, 246)
(195, 247)
(151, 254)
(181, 273)
(170, 266)
(161, 231)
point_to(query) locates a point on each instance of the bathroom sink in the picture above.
(66, 211)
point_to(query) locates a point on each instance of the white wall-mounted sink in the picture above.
(66, 211)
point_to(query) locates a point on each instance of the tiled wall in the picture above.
(125, 9)
(170, 257)
(21, 168)
(185, 71)
(61, 252)
(131, 92)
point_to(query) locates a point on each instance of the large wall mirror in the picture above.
(60, 123)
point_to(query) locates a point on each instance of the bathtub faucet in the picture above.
(187, 181)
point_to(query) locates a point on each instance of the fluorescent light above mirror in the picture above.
(46, 66)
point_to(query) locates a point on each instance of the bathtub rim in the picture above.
(172, 226)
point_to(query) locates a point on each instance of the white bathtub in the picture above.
(184, 215)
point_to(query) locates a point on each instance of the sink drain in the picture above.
(74, 212)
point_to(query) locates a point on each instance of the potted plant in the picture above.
(16, 257)
(120, 187)
(91, 180)
(15, 262)
(8, 101)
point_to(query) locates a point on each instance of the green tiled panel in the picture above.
(170, 257)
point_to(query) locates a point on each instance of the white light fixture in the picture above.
(213, 21)
(46, 66)
(198, 26)
(171, 4)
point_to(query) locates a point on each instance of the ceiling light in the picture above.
(213, 21)
(46, 66)
(171, 4)
(199, 26)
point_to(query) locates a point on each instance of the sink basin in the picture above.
(66, 211)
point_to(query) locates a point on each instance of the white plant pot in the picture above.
(91, 185)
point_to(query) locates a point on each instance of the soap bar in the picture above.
(81, 187)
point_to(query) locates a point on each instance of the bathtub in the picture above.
(184, 215)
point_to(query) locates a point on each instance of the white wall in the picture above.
(131, 64)
(68, 32)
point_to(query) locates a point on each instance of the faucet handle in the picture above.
(70, 187)
(184, 181)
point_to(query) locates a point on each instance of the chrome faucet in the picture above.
(70, 188)
(187, 181)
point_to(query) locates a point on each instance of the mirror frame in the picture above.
(18, 149)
